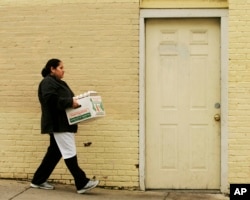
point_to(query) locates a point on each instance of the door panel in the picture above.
(182, 89)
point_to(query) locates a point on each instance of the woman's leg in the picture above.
(66, 143)
(79, 175)
(48, 164)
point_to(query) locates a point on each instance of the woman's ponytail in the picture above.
(54, 63)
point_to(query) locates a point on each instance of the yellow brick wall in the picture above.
(239, 92)
(98, 42)
(184, 3)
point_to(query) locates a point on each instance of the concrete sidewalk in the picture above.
(20, 190)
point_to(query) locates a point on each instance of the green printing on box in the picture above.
(98, 104)
(81, 117)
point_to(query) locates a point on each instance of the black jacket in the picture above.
(55, 96)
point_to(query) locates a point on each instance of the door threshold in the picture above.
(208, 191)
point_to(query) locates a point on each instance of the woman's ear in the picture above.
(52, 70)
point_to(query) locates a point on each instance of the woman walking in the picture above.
(55, 96)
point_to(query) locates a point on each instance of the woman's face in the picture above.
(58, 72)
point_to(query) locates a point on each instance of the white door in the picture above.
(182, 104)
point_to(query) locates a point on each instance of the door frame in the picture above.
(222, 14)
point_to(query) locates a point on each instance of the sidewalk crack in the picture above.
(16, 195)
(166, 195)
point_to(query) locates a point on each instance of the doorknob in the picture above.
(217, 117)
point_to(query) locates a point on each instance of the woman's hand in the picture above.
(75, 104)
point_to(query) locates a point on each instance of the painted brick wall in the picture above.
(98, 42)
(184, 3)
(239, 92)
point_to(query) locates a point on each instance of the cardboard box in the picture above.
(91, 107)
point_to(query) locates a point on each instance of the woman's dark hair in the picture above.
(54, 62)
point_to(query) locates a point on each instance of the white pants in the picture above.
(66, 143)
